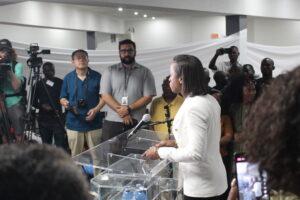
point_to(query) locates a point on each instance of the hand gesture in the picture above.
(151, 153)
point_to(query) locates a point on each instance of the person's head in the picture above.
(38, 172)
(127, 51)
(220, 78)
(249, 72)
(167, 92)
(48, 70)
(6, 54)
(267, 67)
(5, 43)
(233, 54)
(6, 57)
(80, 59)
(272, 130)
(187, 76)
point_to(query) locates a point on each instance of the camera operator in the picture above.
(229, 67)
(50, 109)
(80, 96)
(11, 79)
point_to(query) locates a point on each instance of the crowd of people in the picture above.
(241, 113)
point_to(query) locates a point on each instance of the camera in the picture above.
(227, 50)
(81, 103)
(34, 60)
(5, 61)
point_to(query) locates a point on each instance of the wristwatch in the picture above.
(129, 109)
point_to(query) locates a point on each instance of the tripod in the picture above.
(34, 80)
(5, 125)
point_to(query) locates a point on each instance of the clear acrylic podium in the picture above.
(120, 172)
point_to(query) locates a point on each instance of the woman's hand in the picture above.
(151, 153)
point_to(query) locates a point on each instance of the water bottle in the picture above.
(140, 193)
(128, 194)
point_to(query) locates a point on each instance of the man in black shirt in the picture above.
(50, 109)
(267, 67)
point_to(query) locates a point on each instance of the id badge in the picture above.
(50, 83)
(124, 101)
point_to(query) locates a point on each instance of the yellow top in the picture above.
(157, 113)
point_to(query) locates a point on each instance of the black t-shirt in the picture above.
(260, 85)
(53, 86)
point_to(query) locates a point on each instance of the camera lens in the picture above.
(81, 103)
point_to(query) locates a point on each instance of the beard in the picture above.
(128, 60)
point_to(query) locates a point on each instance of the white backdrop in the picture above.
(158, 60)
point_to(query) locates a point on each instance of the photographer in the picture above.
(11, 79)
(229, 67)
(49, 107)
(80, 96)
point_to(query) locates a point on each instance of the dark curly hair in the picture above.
(272, 132)
(39, 172)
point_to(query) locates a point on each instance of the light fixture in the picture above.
(145, 16)
(153, 18)
(136, 13)
(120, 9)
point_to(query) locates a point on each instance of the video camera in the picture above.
(226, 50)
(34, 60)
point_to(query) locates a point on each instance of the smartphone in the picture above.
(251, 181)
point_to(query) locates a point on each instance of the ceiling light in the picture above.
(145, 15)
(136, 13)
(153, 18)
(120, 9)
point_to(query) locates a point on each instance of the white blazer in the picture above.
(197, 130)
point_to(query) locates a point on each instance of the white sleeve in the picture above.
(196, 148)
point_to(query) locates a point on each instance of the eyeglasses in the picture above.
(123, 51)
(80, 57)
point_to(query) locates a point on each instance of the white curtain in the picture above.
(158, 60)
(285, 58)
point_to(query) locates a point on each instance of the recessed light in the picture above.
(136, 13)
(145, 15)
(153, 18)
(120, 9)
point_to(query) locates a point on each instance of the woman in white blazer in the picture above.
(197, 132)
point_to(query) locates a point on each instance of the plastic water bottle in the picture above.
(140, 193)
(128, 194)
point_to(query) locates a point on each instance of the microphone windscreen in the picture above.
(146, 118)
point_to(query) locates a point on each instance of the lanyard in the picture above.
(126, 79)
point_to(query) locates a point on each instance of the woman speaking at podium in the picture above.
(197, 130)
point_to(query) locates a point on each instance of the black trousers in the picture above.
(111, 129)
(53, 130)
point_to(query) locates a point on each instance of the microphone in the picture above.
(145, 119)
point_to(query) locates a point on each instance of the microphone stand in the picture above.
(169, 122)
(169, 125)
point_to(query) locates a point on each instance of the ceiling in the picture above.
(111, 9)
(3, 2)
(287, 9)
